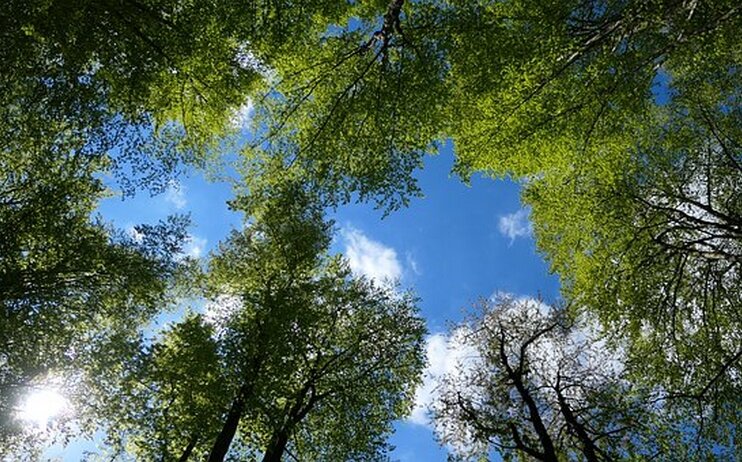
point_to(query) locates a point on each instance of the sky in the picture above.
(452, 247)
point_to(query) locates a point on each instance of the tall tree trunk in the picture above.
(224, 440)
(189, 449)
(229, 429)
(549, 453)
(299, 410)
(590, 450)
(276, 447)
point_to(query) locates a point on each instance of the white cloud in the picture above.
(195, 247)
(522, 302)
(175, 195)
(515, 225)
(134, 234)
(242, 116)
(370, 258)
(446, 354)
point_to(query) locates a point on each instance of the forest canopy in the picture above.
(621, 120)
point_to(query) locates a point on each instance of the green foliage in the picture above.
(307, 357)
(176, 61)
(520, 86)
(636, 204)
(66, 278)
(620, 117)
(167, 397)
(150, 84)
(329, 360)
(360, 111)
(654, 251)
(361, 361)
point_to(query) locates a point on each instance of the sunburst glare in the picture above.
(41, 406)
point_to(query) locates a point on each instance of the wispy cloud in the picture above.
(195, 247)
(522, 301)
(370, 258)
(175, 195)
(412, 264)
(242, 116)
(515, 225)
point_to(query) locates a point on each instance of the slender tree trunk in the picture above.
(224, 440)
(549, 454)
(189, 449)
(229, 429)
(590, 450)
(276, 447)
(538, 424)
(299, 410)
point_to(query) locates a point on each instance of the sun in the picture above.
(41, 406)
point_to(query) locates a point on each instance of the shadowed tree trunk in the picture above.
(299, 410)
(590, 450)
(549, 451)
(226, 435)
(189, 449)
(277, 446)
(229, 429)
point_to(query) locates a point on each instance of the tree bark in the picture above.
(590, 450)
(299, 410)
(549, 454)
(226, 435)
(229, 429)
(276, 447)
(189, 449)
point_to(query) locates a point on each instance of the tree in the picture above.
(68, 282)
(538, 387)
(323, 362)
(353, 370)
(521, 87)
(293, 354)
(653, 249)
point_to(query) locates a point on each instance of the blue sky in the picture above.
(453, 246)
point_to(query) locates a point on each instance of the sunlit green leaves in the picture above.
(67, 280)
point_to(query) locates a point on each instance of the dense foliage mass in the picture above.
(292, 355)
(69, 284)
(621, 118)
